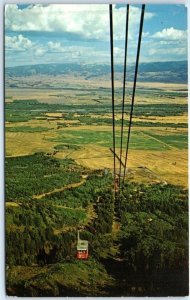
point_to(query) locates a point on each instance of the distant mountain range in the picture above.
(173, 71)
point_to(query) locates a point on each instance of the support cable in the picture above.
(124, 81)
(134, 86)
(112, 85)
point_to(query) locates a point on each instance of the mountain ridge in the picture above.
(171, 71)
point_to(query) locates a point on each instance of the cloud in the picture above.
(21, 43)
(118, 51)
(17, 43)
(166, 54)
(47, 50)
(162, 50)
(87, 21)
(36, 52)
(166, 45)
(55, 47)
(80, 33)
(171, 34)
(145, 34)
(40, 51)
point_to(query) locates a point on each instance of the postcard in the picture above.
(96, 150)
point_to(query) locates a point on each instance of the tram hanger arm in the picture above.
(117, 157)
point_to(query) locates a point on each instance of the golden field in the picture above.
(170, 163)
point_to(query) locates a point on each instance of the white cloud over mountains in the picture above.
(171, 34)
(55, 47)
(17, 43)
(87, 21)
(67, 53)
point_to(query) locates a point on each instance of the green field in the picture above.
(139, 140)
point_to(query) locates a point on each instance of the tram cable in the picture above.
(134, 87)
(112, 87)
(124, 82)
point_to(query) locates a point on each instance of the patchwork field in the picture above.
(75, 90)
(72, 124)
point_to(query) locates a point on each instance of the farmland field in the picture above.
(51, 122)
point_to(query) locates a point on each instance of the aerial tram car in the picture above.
(82, 248)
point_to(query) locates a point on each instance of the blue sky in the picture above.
(61, 33)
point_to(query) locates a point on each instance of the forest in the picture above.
(24, 110)
(36, 174)
(149, 243)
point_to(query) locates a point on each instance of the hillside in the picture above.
(175, 72)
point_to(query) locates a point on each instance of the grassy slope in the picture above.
(73, 278)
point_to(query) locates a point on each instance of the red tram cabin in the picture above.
(82, 248)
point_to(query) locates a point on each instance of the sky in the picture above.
(70, 33)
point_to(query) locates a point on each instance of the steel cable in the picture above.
(112, 86)
(124, 81)
(134, 86)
